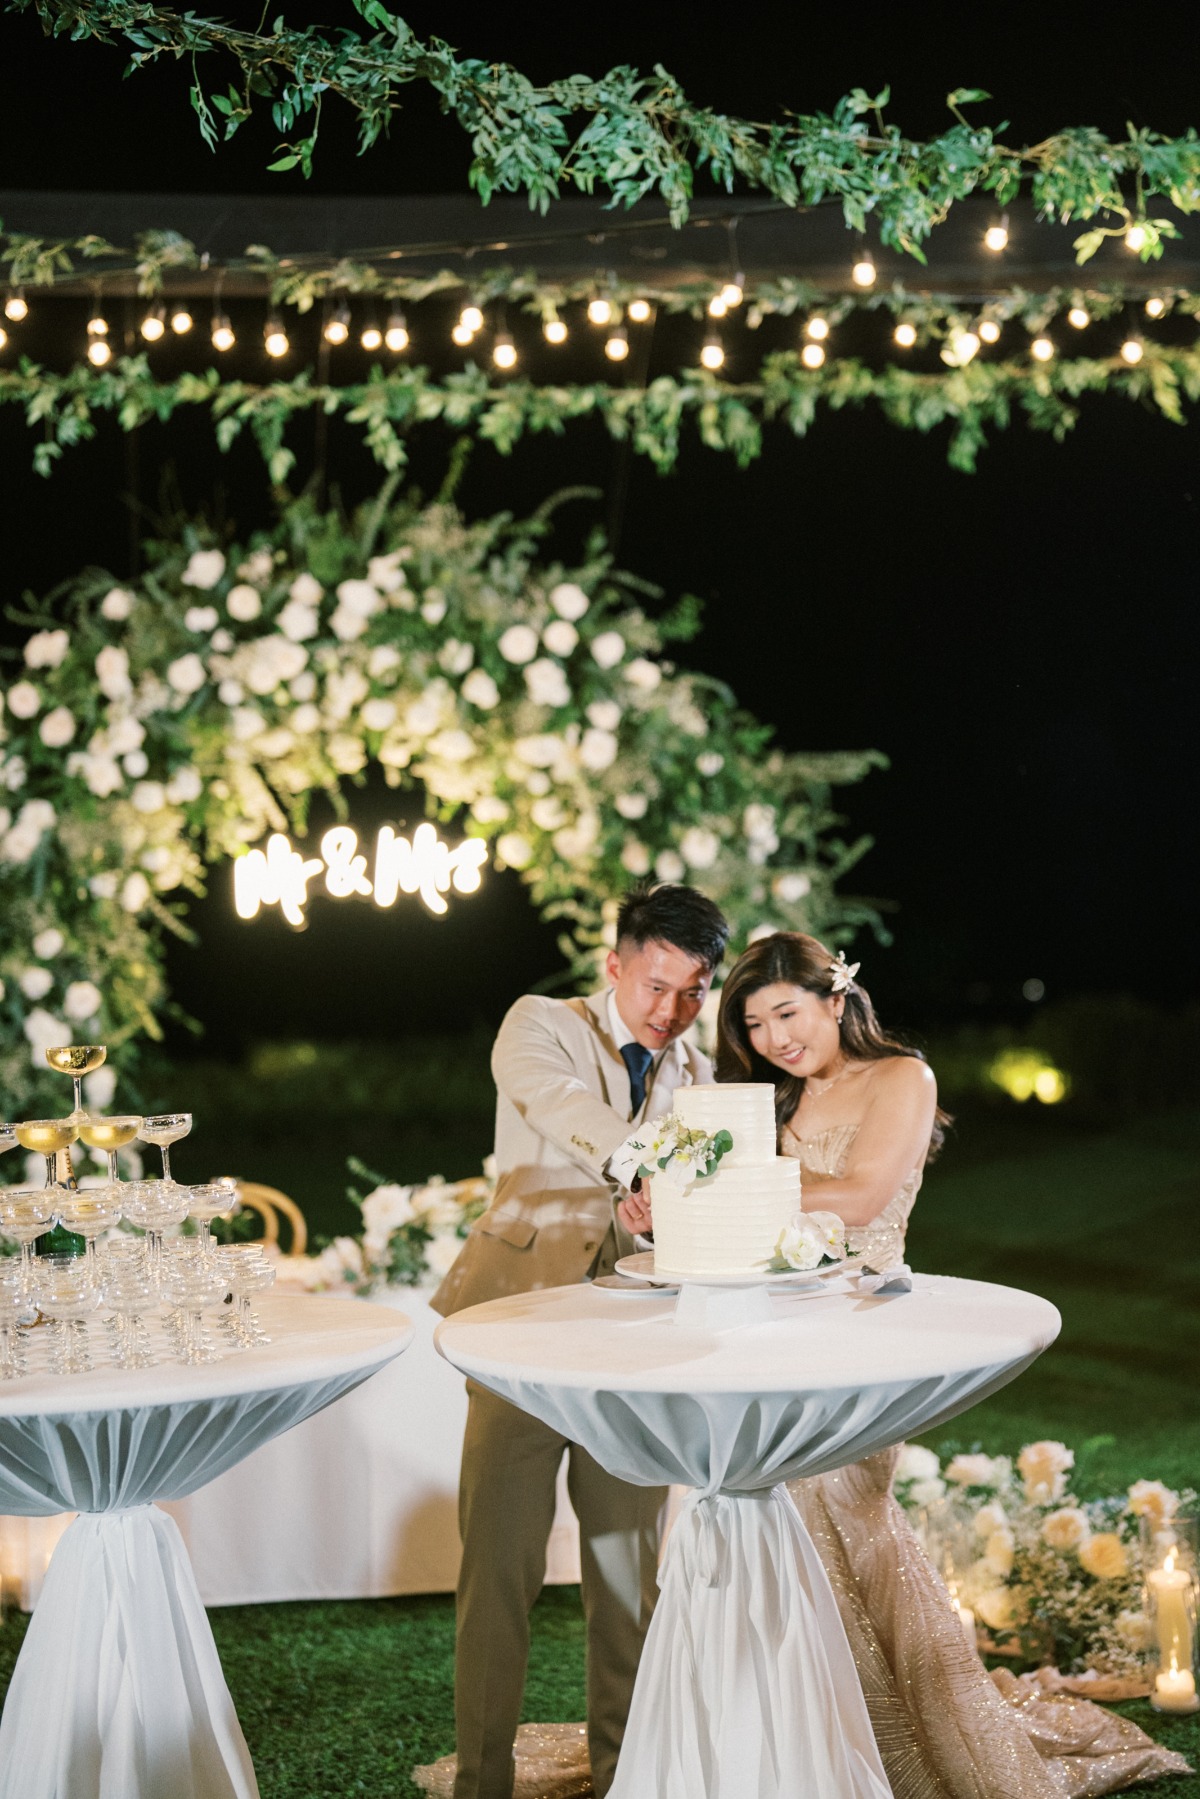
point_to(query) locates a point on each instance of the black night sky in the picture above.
(1020, 643)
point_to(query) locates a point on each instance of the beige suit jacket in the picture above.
(562, 1108)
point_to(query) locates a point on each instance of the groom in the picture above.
(572, 1078)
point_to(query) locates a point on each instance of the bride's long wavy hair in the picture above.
(796, 960)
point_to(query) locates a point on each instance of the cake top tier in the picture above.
(745, 1109)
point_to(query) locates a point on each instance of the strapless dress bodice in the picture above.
(824, 1153)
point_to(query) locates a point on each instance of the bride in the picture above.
(858, 1109)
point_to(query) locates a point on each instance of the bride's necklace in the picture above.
(810, 1086)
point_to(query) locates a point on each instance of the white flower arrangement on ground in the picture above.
(1048, 1576)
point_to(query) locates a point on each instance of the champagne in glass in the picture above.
(77, 1059)
(163, 1129)
(46, 1136)
(110, 1134)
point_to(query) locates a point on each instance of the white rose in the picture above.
(245, 723)
(568, 600)
(433, 609)
(643, 673)
(800, 1244)
(204, 569)
(82, 1000)
(38, 814)
(519, 644)
(231, 692)
(996, 1609)
(608, 648)
(758, 822)
(135, 892)
(541, 751)
(382, 659)
(790, 888)
(1151, 1499)
(135, 764)
(243, 602)
(201, 618)
(998, 1553)
(1043, 1468)
(57, 728)
(560, 637)
(480, 690)
(442, 1252)
(385, 572)
(973, 1471)
(36, 983)
(635, 857)
(19, 843)
(184, 786)
(989, 1518)
(303, 686)
(631, 805)
(24, 699)
(305, 720)
(927, 1492)
(12, 773)
(489, 809)
(187, 673)
(149, 796)
(105, 885)
(306, 590)
(46, 649)
(604, 714)
(546, 683)
(44, 1032)
(298, 622)
(346, 625)
(515, 850)
(117, 604)
(547, 814)
(272, 662)
(386, 1209)
(221, 641)
(1104, 1555)
(112, 672)
(699, 847)
(452, 746)
(597, 750)
(101, 774)
(259, 566)
(455, 657)
(668, 866)
(1066, 1528)
(915, 1462)
(378, 714)
(710, 763)
(359, 597)
(125, 733)
(48, 944)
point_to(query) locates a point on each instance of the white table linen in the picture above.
(747, 1689)
(118, 1691)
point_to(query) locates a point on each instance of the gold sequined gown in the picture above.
(945, 1728)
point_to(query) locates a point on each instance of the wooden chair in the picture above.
(274, 1206)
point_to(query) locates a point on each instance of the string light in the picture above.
(3, 337)
(371, 337)
(153, 325)
(275, 337)
(555, 332)
(1132, 350)
(864, 271)
(1080, 317)
(99, 352)
(732, 292)
(16, 306)
(1155, 307)
(396, 335)
(995, 238)
(1136, 238)
(181, 320)
(639, 311)
(222, 332)
(961, 349)
(599, 311)
(905, 334)
(718, 306)
(337, 326)
(817, 328)
(989, 330)
(616, 345)
(1041, 349)
(712, 354)
(504, 351)
(812, 356)
(461, 336)
(471, 319)
(97, 325)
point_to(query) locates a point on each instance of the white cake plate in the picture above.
(640, 1267)
(725, 1302)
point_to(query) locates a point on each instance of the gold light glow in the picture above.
(153, 325)
(718, 306)
(812, 356)
(1041, 349)
(471, 319)
(817, 328)
(905, 334)
(396, 335)
(99, 352)
(1136, 238)
(599, 311)
(639, 311)
(3, 337)
(732, 294)
(864, 272)
(280, 875)
(1132, 350)
(616, 345)
(504, 351)
(181, 320)
(371, 337)
(337, 325)
(222, 333)
(988, 330)
(962, 348)
(16, 306)
(1155, 307)
(275, 338)
(461, 336)
(996, 238)
(97, 325)
(1080, 317)
(712, 355)
(554, 331)
(1027, 1074)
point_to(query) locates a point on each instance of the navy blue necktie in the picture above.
(637, 1060)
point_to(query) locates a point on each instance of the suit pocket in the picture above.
(520, 1232)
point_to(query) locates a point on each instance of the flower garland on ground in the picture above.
(1051, 1577)
(163, 726)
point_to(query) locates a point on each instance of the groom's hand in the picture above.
(634, 1212)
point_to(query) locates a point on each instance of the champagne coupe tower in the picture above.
(77, 1059)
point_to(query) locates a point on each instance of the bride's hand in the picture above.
(634, 1212)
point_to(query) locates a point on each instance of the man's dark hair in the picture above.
(673, 914)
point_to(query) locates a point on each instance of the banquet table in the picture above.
(747, 1688)
(118, 1691)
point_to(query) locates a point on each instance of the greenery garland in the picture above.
(728, 416)
(158, 728)
(631, 134)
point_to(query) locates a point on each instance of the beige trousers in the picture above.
(506, 1510)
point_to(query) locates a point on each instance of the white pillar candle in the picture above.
(1175, 1690)
(1172, 1587)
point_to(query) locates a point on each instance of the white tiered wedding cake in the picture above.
(729, 1222)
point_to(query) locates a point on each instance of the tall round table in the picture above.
(747, 1688)
(118, 1691)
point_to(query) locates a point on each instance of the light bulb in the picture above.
(988, 330)
(1080, 317)
(504, 351)
(996, 237)
(99, 351)
(555, 332)
(1136, 238)
(97, 325)
(864, 271)
(732, 294)
(616, 345)
(1155, 307)
(153, 325)
(963, 346)
(461, 336)
(817, 328)
(812, 356)
(712, 355)
(3, 337)
(471, 319)
(1042, 349)
(275, 338)
(905, 334)
(639, 311)
(181, 320)
(718, 306)
(396, 335)
(371, 337)
(600, 311)
(1132, 350)
(222, 333)
(16, 307)
(337, 325)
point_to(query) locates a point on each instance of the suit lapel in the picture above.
(613, 1071)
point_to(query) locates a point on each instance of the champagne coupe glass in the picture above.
(13, 1307)
(195, 1288)
(154, 1206)
(163, 1129)
(66, 1295)
(249, 1272)
(47, 1136)
(207, 1202)
(130, 1296)
(24, 1215)
(77, 1059)
(110, 1134)
(87, 1213)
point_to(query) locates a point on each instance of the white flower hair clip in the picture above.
(843, 973)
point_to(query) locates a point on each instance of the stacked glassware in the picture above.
(134, 1297)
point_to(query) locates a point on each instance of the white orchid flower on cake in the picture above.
(666, 1151)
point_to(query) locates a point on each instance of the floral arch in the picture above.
(156, 728)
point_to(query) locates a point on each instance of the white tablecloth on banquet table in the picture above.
(118, 1692)
(360, 1502)
(747, 1689)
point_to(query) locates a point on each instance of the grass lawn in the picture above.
(342, 1699)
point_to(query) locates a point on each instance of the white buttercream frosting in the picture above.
(729, 1222)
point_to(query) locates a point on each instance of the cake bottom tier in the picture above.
(727, 1224)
